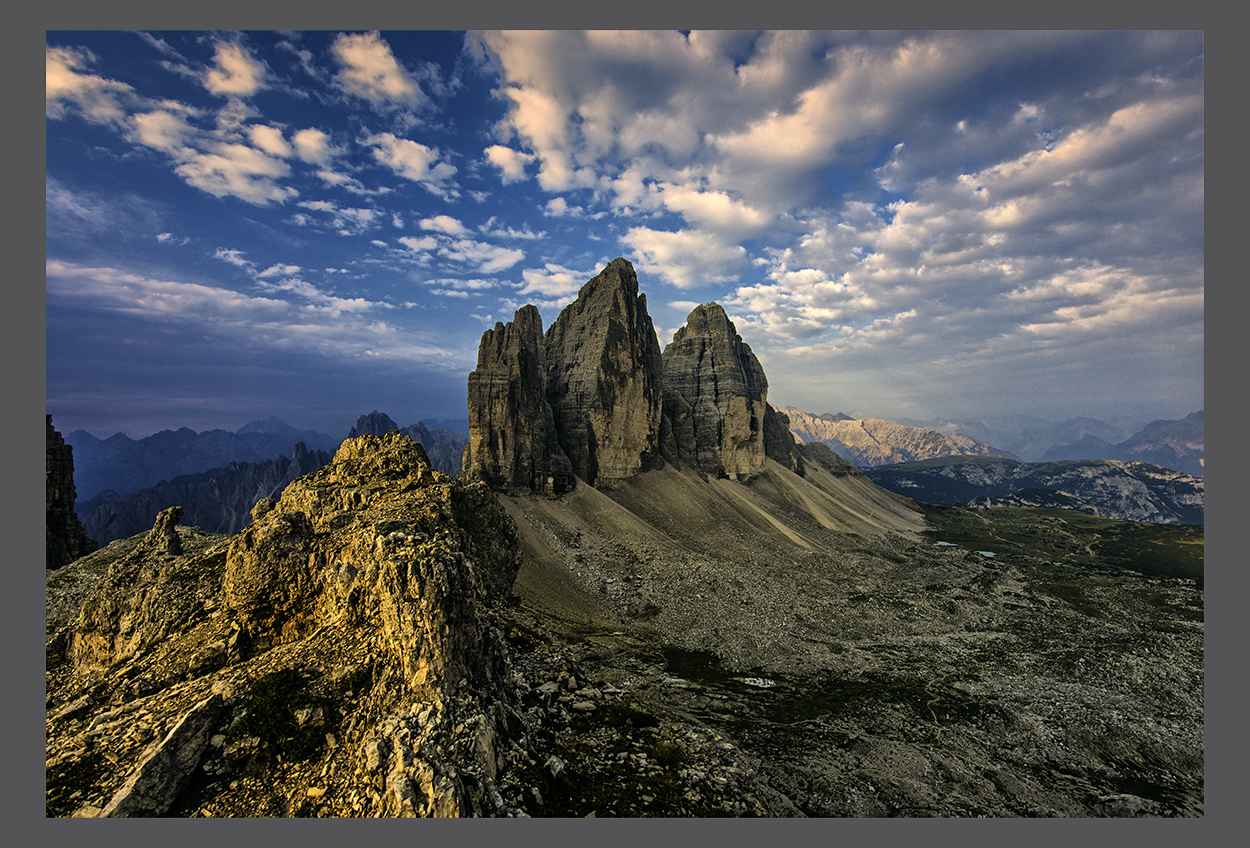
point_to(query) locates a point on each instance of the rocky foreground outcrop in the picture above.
(346, 655)
(67, 540)
(366, 592)
(594, 399)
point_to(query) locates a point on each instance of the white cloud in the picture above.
(510, 162)
(236, 73)
(100, 100)
(269, 139)
(237, 170)
(414, 161)
(370, 70)
(279, 271)
(487, 258)
(419, 244)
(686, 258)
(345, 220)
(511, 232)
(553, 284)
(234, 257)
(313, 146)
(444, 224)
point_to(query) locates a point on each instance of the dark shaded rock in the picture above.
(604, 378)
(512, 433)
(66, 537)
(779, 444)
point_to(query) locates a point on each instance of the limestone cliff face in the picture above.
(604, 378)
(512, 434)
(66, 538)
(715, 396)
(584, 400)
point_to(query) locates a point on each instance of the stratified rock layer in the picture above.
(715, 396)
(66, 538)
(605, 378)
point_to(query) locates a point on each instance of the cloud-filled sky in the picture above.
(315, 225)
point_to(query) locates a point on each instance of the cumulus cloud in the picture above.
(370, 70)
(510, 162)
(269, 139)
(686, 258)
(553, 281)
(414, 161)
(96, 98)
(236, 72)
(444, 224)
(312, 145)
(419, 244)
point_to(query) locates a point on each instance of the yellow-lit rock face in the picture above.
(377, 538)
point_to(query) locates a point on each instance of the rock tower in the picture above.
(66, 538)
(594, 399)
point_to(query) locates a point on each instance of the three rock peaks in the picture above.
(593, 398)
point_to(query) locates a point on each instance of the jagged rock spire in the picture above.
(605, 378)
(66, 538)
(512, 435)
(715, 396)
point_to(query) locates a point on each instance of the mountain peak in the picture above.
(375, 424)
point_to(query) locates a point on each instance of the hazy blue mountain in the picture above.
(1132, 491)
(127, 465)
(218, 501)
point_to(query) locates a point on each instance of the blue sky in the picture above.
(905, 225)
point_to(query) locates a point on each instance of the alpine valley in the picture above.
(639, 589)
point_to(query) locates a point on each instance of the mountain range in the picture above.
(870, 442)
(1175, 444)
(218, 501)
(120, 465)
(1131, 491)
(641, 596)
